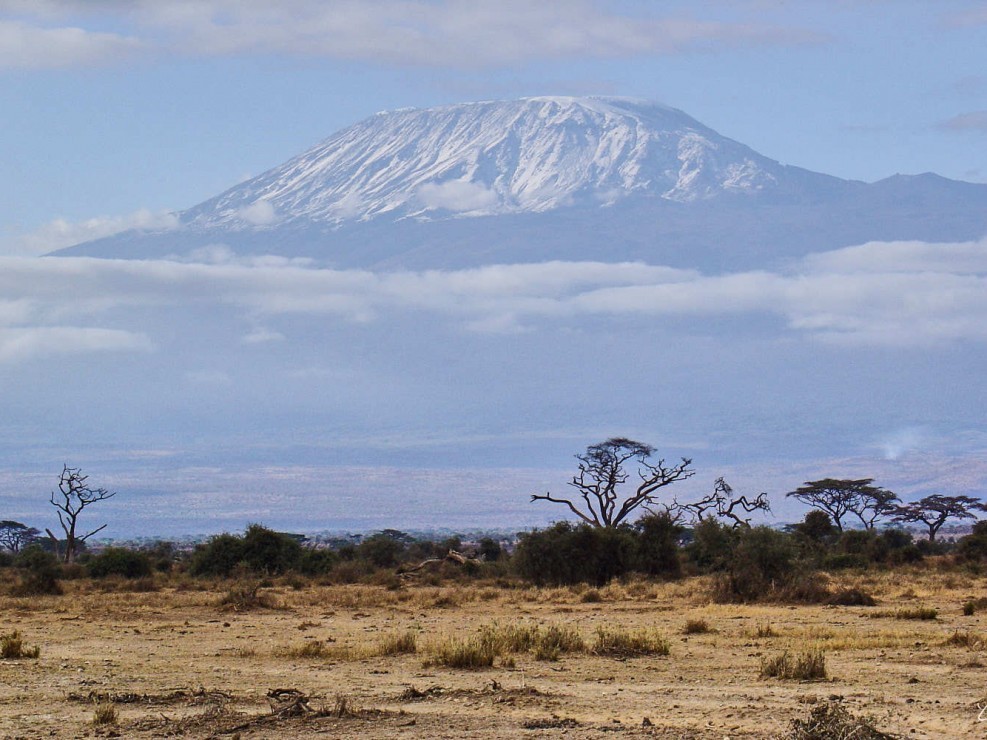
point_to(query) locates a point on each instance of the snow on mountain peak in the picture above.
(494, 157)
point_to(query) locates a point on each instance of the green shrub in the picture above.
(269, 552)
(490, 550)
(317, 562)
(862, 547)
(382, 550)
(39, 573)
(712, 545)
(218, 557)
(566, 554)
(119, 561)
(657, 546)
(763, 567)
(973, 547)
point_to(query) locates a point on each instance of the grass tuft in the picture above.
(401, 643)
(964, 639)
(851, 597)
(245, 596)
(12, 647)
(625, 644)
(696, 627)
(807, 666)
(469, 654)
(105, 714)
(763, 630)
(918, 613)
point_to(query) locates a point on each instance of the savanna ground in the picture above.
(174, 662)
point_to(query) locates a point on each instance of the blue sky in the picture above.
(114, 107)
(189, 385)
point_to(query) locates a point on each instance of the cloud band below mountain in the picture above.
(880, 294)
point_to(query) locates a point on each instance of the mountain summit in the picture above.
(492, 158)
(551, 178)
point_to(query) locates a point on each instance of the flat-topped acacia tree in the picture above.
(935, 510)
(602, 499)
(74, 494)
(840, 497)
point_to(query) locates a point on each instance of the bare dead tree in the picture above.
(933, 511)
(74, 494)
(720, 503)
(602, 499)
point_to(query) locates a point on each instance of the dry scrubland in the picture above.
(636, 659)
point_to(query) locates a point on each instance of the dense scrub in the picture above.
(747, 564)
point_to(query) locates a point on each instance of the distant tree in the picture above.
(490, 549)
(15, 536)
(840, 497)
(817, 526)
(723, 504)
(74, 494)
(602, 499)
(383, 550)
(871, 503)
(935, 510)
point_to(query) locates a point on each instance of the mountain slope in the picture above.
(530, 155)
(552, 178)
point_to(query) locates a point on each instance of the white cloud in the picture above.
(259, 213)
(26, 46)
(972, 121)
(263, 336)
(417, 32)
(897, 295)
(60, 233)
(28, 343)
(967, 258)
(457, 195)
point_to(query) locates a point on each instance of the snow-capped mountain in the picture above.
(491, 158)
(552, 178)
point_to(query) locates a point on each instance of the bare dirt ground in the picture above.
(174, 663)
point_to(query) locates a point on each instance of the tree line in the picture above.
(625, 522)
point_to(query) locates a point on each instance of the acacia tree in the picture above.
(15, 536)
(934, 511)
(872, 503)
(74, 494)
(602, 499)
(840, 497)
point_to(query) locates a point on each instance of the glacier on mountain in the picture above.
(488, 158)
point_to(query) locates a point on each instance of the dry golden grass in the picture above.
(368, 642)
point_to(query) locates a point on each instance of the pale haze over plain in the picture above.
(414, 400)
